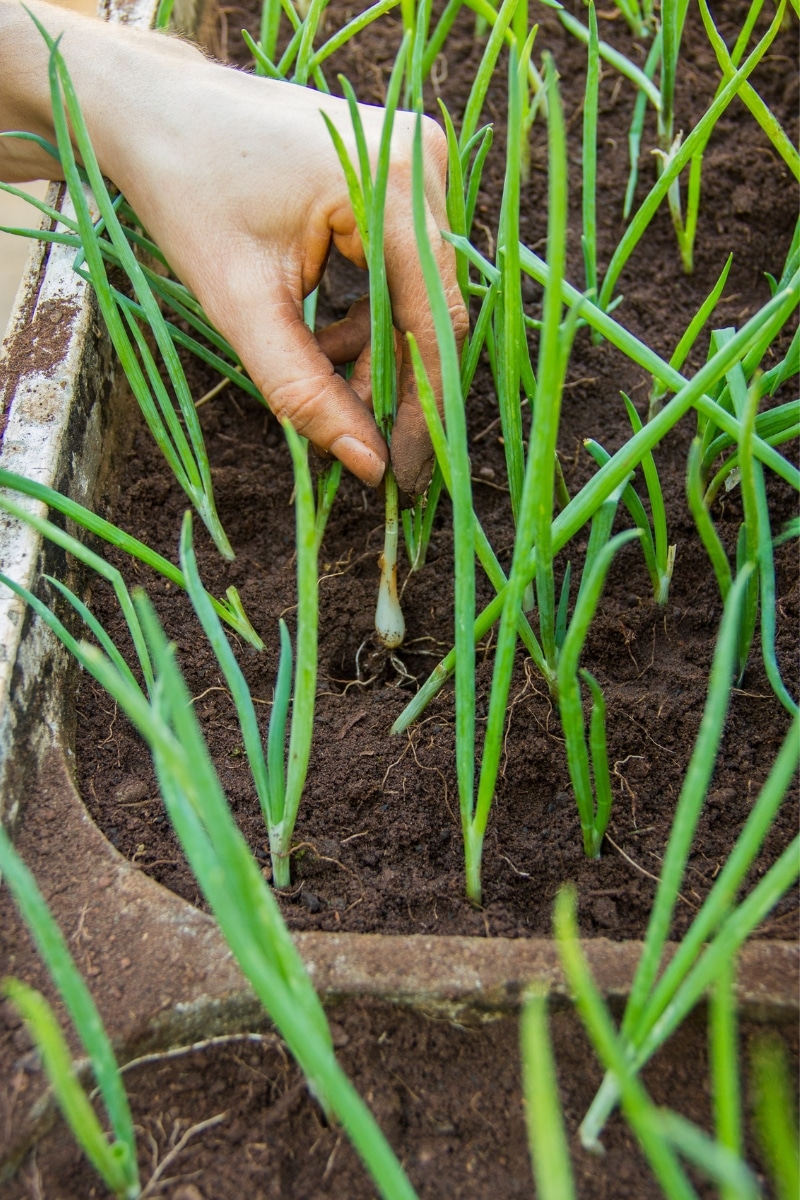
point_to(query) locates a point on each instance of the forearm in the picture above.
(110, 66)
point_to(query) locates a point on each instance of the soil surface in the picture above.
(378, 841)
(448, 1097)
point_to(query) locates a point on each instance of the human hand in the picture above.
(245, 194)
(237, 180)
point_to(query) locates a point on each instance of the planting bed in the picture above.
(378, 841)
(378, 837)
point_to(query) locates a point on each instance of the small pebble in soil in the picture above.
(604, 911)
(339, 1035)
(22, 1040)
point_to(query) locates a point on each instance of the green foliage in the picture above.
(740, 429)
(664, 1136)
(231, 612)
(775, 1105)
(547, 1138)
(115, 1161)
(183, 447)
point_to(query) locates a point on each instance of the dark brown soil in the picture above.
(378, 843)
(448, 1097)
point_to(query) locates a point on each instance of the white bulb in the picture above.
(389, 623)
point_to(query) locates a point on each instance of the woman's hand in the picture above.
(237, 180)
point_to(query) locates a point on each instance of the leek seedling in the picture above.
(673, 15)
(758, 546)
(231, 610)
(679, 156)
(368, 198)
(755, 534)
(115, 1162)
(547, 1139)
(279, 785)
(451, 452)
(630, 498)
(534, 525)
(775, 1108)
(664, 1136)
(656, 1005)
(664, 553)
(594, 806)
(554, 350)
(462, 191)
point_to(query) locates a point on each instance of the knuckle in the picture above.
(434, 139)
(434, 142)
(299, 403)
(460, 319)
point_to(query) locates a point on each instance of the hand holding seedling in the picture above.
(237, 180)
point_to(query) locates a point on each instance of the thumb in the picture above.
(286, 363)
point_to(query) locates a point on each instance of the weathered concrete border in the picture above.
(58, 397)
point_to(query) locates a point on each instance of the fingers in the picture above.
(412, 455)
(297, 378)
(348, 340)
(343, 341)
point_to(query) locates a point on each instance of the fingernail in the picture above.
(359, 459)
